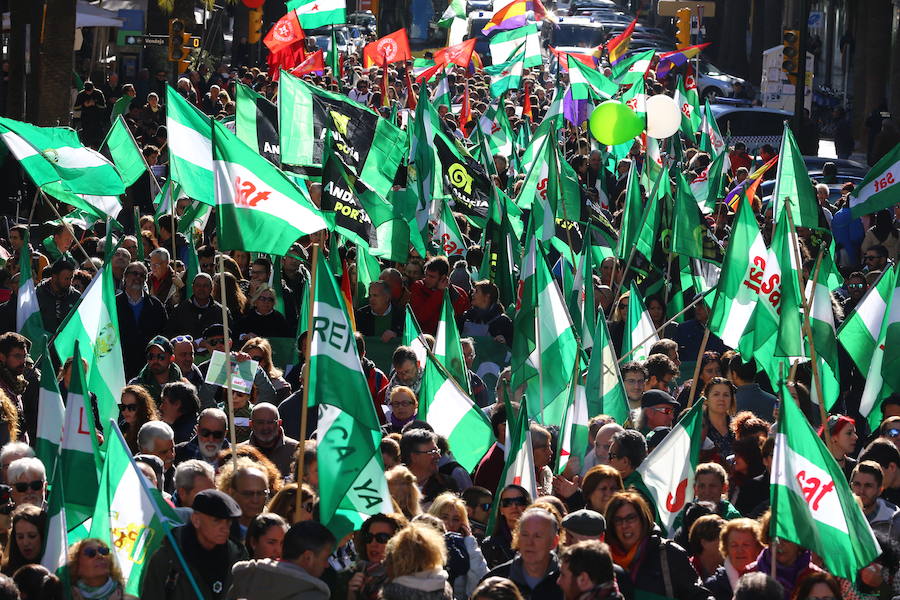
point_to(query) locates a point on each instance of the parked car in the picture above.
(715, 82)
(753, 125)
(364, 19)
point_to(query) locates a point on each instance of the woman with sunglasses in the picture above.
(265, 536)
(465, 563)
(260, 350)
(284, 503)
(26, 538)
(261, 319)
(93, 573)
(136, 407)
(364, 580)
(497, 548)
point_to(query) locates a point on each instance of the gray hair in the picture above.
(187, 473)
(22, 466)
(10, 448)
(152, 431)
(161, 252)
(216, 413)
(136, 265)
(541, 513)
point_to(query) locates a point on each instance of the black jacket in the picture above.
(650, 576)
(365, 321)
(719, 585)
(189, 319)
(546, 589)
(136, 334)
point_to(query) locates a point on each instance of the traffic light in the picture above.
(790, 53)
(176, 28)
(683, 28)
(254, 33)
(187, 45)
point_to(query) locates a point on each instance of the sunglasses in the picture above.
(517, 501)
(666, 410)
(485, 506)
(182, 338)
(308, 507)
(92, 551)
(36, 485)
(128, 407)
(855, 286)
(216, 434)
(892, 432)
(381, 538)
(157, 356)
(614, 455)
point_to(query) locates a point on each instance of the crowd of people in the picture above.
(591, 531)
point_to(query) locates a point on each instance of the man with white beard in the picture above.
(267, 436)
(209, 438)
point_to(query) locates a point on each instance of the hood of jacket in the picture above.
(424, 581)
(275, 580)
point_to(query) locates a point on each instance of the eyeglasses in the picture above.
(432, 452)
(182, 338)
(92, 551)
(216, 434)
(254, 493)
(140, 274)
(666, 410)
(515, 501)
(872, 257)
(381, 538)
(401, 404)
(855, 286)
(157, 356)
(485, 506)
(625, 520)
(892, 432)
(266, 298)
(34, 486)
(128, 407)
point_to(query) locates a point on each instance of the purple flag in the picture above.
(575, 111)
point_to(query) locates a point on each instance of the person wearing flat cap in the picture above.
(586, 525)
(658, 409)
(160, 368)
(205, 546)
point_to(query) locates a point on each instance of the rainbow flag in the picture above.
(676, 58)
(617, 47)
(510, 16)
(733, 198)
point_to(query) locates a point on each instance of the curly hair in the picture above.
(414, 548)
(284, 502)
(75, 550)
(256, 459)
(746, 424)
(404, 490)
(739, 524)
(146, 411)
(9, 414)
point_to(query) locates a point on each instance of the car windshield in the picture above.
(711, 69)
(475, 27)
(577, 35)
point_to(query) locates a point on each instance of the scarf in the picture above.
(625, 559)
(397, 423)
(97, 593)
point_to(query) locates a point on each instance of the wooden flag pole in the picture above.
(695, 381)
(228, 385)
(305, 402)
(693, 303)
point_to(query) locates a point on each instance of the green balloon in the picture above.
(613, 123)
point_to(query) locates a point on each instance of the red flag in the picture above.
(458, 54)
(465, 111)
(411, 99)
(526, 104)
(588, 59)
(391, 48)
(313, 63)
(284, 33)
(286, 59)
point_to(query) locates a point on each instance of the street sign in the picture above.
(669, 8)
(145, 40)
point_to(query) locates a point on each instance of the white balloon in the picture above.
(663, 116)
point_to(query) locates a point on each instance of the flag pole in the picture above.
(666, 324)
(305, 402)
(807, 306)
(230, 391)
(695, 381)
(69, 227)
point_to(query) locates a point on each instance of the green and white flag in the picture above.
(739, 283)
(130, 517)
(581, 300)
(190, 147)
(256, 123)
(318, 13)
(125, 152)
(638, 328)
(588, 83)
(28, 314)
(632, 215)
(508, 75)
(51, 417)
(447, 348)
(412, 337)
(883, 377)
(604, 389)
(455, 10)
(711, 139)
(668, 471)
(812, 504)
(861, 329)
(879, 188)
(632, 69)
(519, 467)
(77, 449)
(349, 435)
(793, 185)
(94, 326)
(821, 323)
(708, 186)
(260, 209)
(447, 236)
(505, 45)
(62, 167)
(441, 94)
(445, 406)
(689, 104)
(56, 544)
(574, 430)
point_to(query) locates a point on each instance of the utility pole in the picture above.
(802, 20)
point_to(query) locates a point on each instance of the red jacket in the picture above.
(426, 304)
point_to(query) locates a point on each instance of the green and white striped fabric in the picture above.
(640, 333)
(56, 543)
(190, 147)
(574, 430)
(505, 44)
(883, 377)
(260, 209)
(318, 13)
(605, 392)
(861, 329)
(588, 83)
(507, 75)
(879, 188)
(447, 347)
(632, 69)
(51, 416)
(77, 449)
(124, 151)
(821, 322)
(28, 313)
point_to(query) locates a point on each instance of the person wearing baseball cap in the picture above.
(587, 525)
(160, 368)
(658, 409)
(206, 549)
